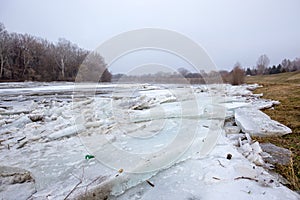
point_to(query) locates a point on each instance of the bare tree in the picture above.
(27, 44)
(286, 64)
(94, 69)
(262, 63)
(25, 57)
(63, 52)
(184, 72)
(297, 63)
(237, 75)
(3, 48)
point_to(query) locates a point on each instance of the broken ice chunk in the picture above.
(69, 131)
(257, 123)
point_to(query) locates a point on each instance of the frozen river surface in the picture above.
(135, 141)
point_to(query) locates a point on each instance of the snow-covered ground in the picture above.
(148, 142)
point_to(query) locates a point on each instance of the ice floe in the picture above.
(147, 141)
(257, 123)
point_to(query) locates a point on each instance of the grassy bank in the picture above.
(284, 87)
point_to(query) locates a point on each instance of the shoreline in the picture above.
(286, 89)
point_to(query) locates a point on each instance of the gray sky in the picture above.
(230, 31)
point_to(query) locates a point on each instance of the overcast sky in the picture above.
(230, 31)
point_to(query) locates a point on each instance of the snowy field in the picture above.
(146, 142)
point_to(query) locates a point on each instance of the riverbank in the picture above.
(285, 88)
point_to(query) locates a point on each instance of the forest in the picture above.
(27, 58)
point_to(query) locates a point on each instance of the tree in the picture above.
(248, 71)
(27, 43)
(184, 72)
(93, 69)
(278, 69)
(237, 75)
(273, 70)
(225, 75)
(3, 48)
(286, 64)
(25, 57)
(297, 64)
(262, 63)
(63, 49)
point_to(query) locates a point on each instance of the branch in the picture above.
(74, 188)
(244, 177)
(221, 164)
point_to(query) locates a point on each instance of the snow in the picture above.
(172, 136)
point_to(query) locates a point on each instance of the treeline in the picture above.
(181, 76)
(262, 66)
(237, 75)
(27, 58)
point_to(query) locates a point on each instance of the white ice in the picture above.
(172, 136)
(257, 123)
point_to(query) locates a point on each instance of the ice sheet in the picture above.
(177, 141)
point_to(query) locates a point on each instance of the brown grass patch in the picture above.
(287, 113)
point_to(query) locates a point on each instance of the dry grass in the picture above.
(284, 87)
(282, 78)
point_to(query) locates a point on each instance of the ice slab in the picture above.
(69, 131)
(257, 123)
(278, 155)
(212, 177)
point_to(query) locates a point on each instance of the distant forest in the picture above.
(27, 58)
(262, 66)
(235, 77)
